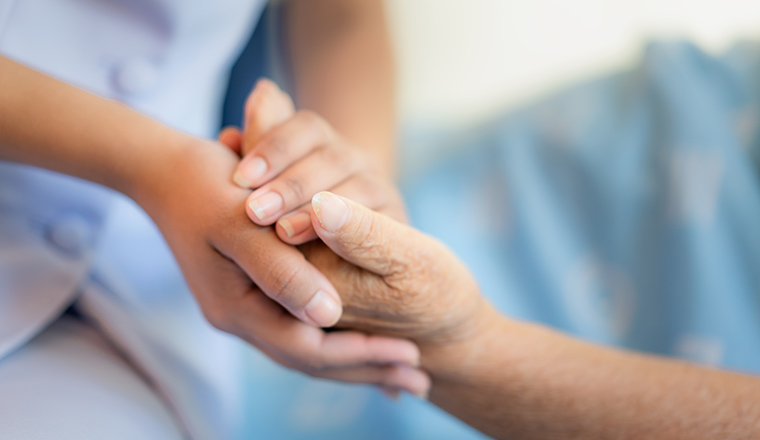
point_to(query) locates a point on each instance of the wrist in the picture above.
(458, 359)
(145, 182)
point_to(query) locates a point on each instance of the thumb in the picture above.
(361, 236)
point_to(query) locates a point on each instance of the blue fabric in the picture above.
(253, 63)
(624, 211)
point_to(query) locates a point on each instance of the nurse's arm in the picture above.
(47, 123)
(246, 280)
(511, 379)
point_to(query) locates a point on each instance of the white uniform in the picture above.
(64, 240)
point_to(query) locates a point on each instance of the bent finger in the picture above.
(281, 147)
(412, 380)
(295, 227)
(323, 168)
(311, 350)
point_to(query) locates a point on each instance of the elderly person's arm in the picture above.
(511, 379)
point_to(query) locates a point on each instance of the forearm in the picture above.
(47, 123)
(343, 69)
(523, 381)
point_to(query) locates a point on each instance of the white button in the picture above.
(71, 235)
(136, 76)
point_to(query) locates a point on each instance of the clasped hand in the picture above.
(250, 280)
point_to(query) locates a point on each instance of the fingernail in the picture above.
(295, 224)
(323, 310)
(249, 172)
(266, 205)
(332, 212)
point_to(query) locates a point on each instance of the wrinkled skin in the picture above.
(405, 283)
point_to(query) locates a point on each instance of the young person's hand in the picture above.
(246, 280)
(289, 156)
(251, 284)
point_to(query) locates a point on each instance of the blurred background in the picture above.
(461, 61)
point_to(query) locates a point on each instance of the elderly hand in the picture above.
(395, 280)
(510, 379)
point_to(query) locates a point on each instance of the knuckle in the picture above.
(343, 159)
(358, 161)
(418, 273)
(367, 190)
(218, 316)
(405, 282)
(307, 361)
(294, 188)
(331, 156)
(287, 363)
(312, 365)
(287, 360)
(281, 277)
(374, 193)
(309, 117)
(275, 146)
(369, 295)
(359, 240)
(299, 366)
(387, 376)
(371, 242)
(316, 123)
